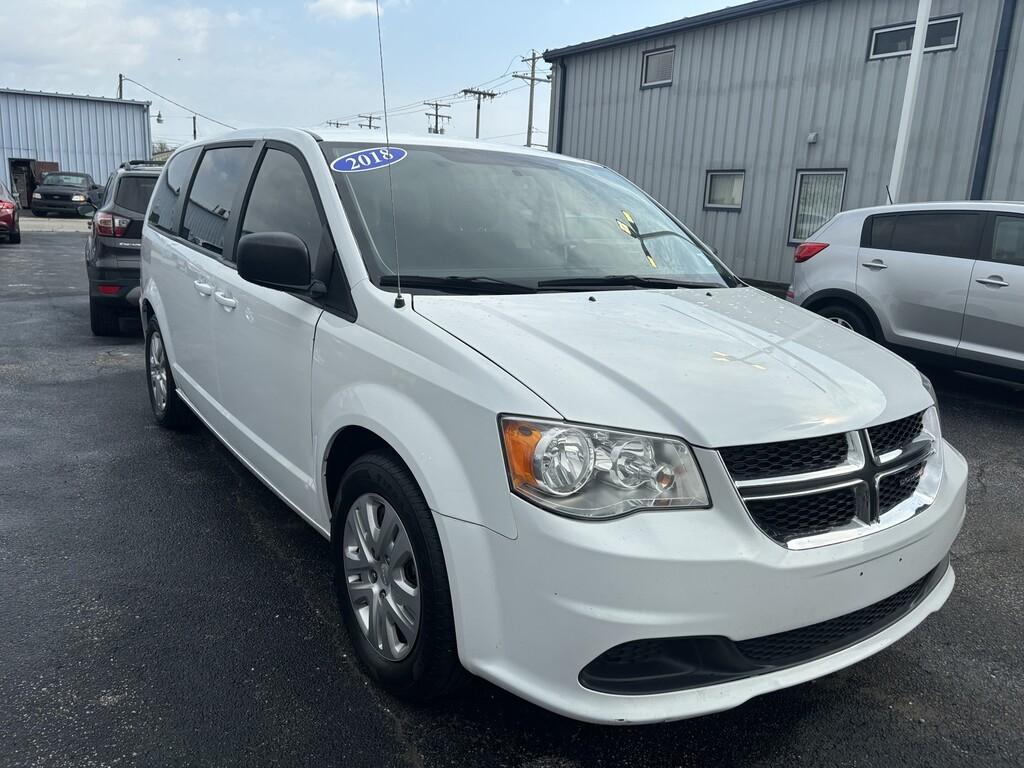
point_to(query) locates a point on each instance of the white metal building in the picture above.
(42, 132)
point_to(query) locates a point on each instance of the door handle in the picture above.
(224, 300)
(994, 280)
(876, 264)
(204, 288)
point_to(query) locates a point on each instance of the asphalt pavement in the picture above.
(158, 606)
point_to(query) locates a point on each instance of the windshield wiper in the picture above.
(457, 283)
(639, 281)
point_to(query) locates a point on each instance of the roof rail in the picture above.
(130, 164)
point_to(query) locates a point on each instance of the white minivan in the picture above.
(552, 439)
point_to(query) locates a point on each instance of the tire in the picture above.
(169, 411)
(14, 237)
(40, 214)
(104, 321)
(428, 666)
(848, 317)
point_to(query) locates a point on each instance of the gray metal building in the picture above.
(41, 132)
(756, 123)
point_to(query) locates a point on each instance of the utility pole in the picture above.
(480, 96)
(369, 122)
(436, 114)
(532, 79)
(336, 124)
(194, 134)
(120, 85)
(899, 160)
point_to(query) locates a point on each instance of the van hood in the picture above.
(716, 367)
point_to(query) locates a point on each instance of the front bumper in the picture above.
(55, 206)
(531, 613)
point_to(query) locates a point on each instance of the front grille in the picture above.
(898, 487)
(796, 644)
(789, 488)
(792, 457)
(793, 517)
(895, 434)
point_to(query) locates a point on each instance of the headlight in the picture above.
(931, 473)
(78, 198)
(927, 384)
(36, 196)
(595, 473)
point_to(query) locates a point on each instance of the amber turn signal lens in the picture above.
(520, 441)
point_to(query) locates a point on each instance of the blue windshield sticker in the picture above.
(369, 159)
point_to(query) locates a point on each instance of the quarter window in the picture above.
(281, 201)
(817, 198)
(897, 40)
(724, 190)
(1008, 240)
(657, 67)
(217, 182)
(167, 198)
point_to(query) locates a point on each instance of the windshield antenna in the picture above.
(399, 299)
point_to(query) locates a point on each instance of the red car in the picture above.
(9, 226)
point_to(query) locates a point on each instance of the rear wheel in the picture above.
(168, 409)
(104, 320)
(15, 237)
(391, 580)
(848, 317)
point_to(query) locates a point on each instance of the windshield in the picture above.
(64, 180)
(518, 218)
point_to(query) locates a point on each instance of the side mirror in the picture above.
(275, 260)
(87, 210)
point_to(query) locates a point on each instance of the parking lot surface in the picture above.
(159, 606)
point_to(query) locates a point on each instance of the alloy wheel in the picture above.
(381, 576)
(158, 371)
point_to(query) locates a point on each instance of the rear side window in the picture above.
(878, 232)
(133, 192)
(281, 201)
(939, 234)
(220, 175)
(167, 195)
(1008, 240)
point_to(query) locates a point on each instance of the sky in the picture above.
(303, 62)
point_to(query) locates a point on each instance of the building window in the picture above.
(886, 42)
(817, 198)
(723, 190)
(657, 67)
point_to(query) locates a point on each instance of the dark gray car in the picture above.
(112, 249)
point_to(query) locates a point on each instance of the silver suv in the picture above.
(934, 280)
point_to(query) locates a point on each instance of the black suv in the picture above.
(112, 249)
(63, 193)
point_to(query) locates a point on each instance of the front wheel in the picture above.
(391, 580)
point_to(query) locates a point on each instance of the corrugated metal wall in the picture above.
(746, 95)
(1006, 173)
(85, 135)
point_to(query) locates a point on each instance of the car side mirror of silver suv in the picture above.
(275, 260)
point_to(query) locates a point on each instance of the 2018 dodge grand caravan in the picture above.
(553, 441)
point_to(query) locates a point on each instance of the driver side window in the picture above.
(282, 201)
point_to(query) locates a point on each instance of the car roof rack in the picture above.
(131, 165)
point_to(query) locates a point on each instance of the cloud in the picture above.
(343, 9)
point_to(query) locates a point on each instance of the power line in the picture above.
(124, 78)
(369, 121)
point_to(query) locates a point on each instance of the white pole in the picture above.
(899, 160)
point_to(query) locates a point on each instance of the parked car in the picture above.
(940, 282)
(112, 247)
(604, 473)
(62, 193)
(10, 224)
